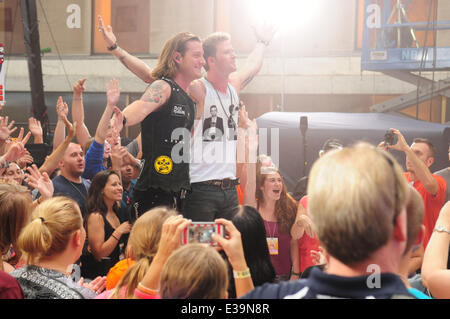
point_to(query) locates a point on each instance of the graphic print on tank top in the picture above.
(213, 146)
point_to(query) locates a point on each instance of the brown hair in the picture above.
(143, 244)
(194, 271)
(15, 213)
(285, 207)
(428, 142)
(166, 66)
(354, 197)
(210, 45)
(53, 223)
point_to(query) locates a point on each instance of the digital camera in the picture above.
(201, 232)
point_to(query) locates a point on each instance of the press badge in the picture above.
(272, 242)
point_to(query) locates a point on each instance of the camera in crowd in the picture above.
(201, 232)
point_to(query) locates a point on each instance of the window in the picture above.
(130, 21)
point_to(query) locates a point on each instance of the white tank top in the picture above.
(213, 145)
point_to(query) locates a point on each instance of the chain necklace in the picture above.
(76, 188)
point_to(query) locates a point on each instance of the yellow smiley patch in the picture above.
(163, 165)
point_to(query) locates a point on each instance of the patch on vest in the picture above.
(163, 165)
(179, 110)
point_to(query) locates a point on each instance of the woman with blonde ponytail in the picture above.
(52, 242)
(142, 247)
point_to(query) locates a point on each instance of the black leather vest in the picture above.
(165, 143)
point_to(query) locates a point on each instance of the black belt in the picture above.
(222, 183)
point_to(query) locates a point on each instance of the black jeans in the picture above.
(151, 198)
(205, 203)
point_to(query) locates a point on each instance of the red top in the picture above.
(433, 204)
(306, 244)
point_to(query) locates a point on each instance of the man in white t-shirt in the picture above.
(212, 168)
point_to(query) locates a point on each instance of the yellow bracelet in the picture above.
(146, 290)
(241, 274)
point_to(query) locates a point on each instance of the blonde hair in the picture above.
(166, 66)
(354, 197)
(15, 213)
(53, 223)
(194, 271)
(415, 211)
(144, 243)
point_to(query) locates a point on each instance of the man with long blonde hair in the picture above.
(164, 107)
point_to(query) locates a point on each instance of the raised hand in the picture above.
(6, 129)
(61, 109)
(25, 160)
(36, 129)
(117, 119)
(113, 92)
(107, 32)
(78, 87)
(40, 181)
(17, 149)
(264, 32)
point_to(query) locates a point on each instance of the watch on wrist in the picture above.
(113, 47)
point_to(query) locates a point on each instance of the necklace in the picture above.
(76, 188)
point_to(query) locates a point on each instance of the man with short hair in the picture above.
(70, 183)
(212, 169)
(357, 203)
(419, 158)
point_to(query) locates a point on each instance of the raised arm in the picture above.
(52, 161)
(250, 185)
(5, 132)
(244, 75)
(82, 132)
(62, 110)
(132, 63)
(421, 171)
(113, 95)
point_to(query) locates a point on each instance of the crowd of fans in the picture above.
(70, 227)
(66, 236)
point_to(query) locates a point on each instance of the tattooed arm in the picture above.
(155, 96)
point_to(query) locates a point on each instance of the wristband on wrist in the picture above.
(112, 235)
(113, 47)
(146, 290)
(295, 274)
(241, 274)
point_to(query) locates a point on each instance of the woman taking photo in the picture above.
(105, 230)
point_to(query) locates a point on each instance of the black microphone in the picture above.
(303, 124)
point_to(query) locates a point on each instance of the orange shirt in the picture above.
(433, 204)
(117, 271)
(240, 194)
